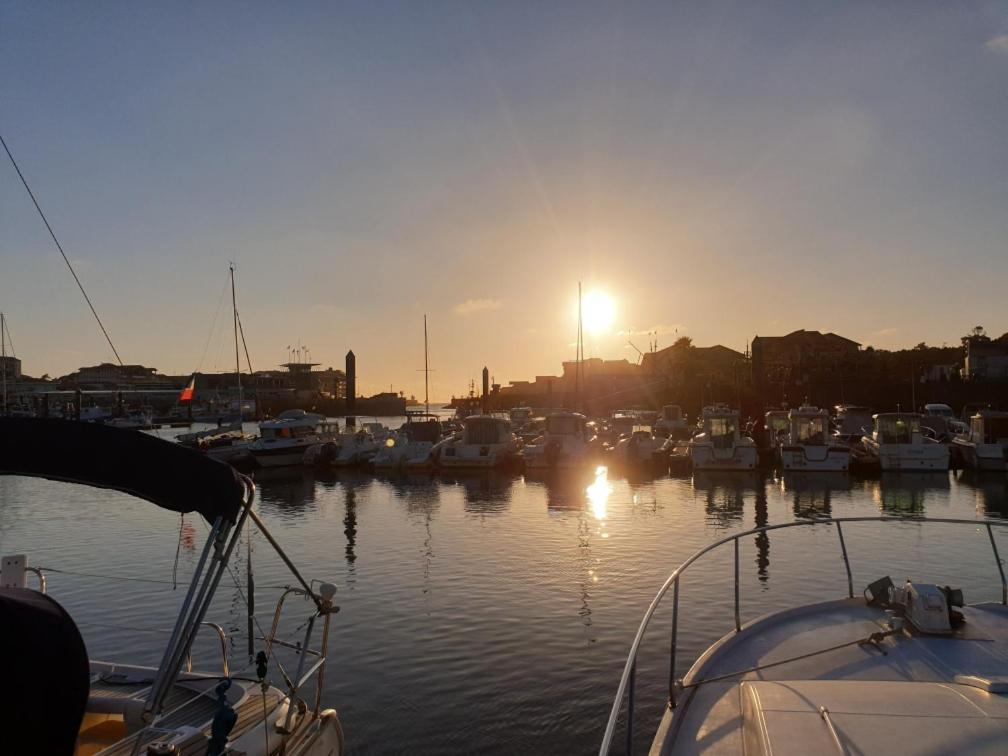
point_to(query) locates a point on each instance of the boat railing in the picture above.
(628, 680)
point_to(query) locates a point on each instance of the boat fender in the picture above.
(223, 721)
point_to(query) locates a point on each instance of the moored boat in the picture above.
(906, 669)
(284, 440)
(809, 446)
(564, 443)
(985, 445)
(485, 442)
(897, 443)
(720, 445)
(66, 703)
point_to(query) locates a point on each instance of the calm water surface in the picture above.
(494, 614)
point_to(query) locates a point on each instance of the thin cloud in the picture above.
(885, 332)
(477, 305)
(997, 45)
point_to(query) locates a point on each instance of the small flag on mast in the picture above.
(187, 392)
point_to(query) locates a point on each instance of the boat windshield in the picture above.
(426, 430)
(564, 425)
(482, 430)
(896, 429)
(811, 430)
(723, 431)
(672, 412)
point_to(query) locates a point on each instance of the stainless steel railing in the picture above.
(628, 680)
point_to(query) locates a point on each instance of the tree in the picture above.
(921, 347)
(683, 342)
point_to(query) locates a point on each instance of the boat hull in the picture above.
(982, 456)
(732, 459)
(909, 457)
(815, 458)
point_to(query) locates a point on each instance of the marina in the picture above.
(442, 579)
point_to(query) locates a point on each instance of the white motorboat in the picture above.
(985, 445)
(671, 423)
(720, 445)
(776, 427)
(563, 445)
(850, 423)
(809, 445)
(64, 703)
(356, 446)
(411, 446)
(285, 440)
(897, 442)
(906, 669)
(640, 446)
(519, 416)
(940, 422)
(485, 442)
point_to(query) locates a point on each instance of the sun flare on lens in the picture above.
(598, 312)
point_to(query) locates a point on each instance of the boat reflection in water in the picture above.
(990, 491)
(724, 495)
(484, 493)
(906, 493)
(812, 493)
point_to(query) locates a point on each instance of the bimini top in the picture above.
(165, 473)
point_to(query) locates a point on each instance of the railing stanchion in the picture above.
(997, 557)
(846, 562)
(738, 621)
(630, 708)
(672, 650)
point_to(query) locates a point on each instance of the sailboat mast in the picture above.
(234, 310)
(580, 353)
(426, 369)
(3, 359)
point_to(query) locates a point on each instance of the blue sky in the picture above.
(720, 169)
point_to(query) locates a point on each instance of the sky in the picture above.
(718, 170)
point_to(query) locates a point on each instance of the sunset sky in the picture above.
(720, 170)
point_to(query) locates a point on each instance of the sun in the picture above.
(598, 311)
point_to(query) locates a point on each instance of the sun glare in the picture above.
(598, 311)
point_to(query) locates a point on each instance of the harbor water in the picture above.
(493, 614)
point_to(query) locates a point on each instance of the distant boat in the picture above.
(486, 442)
(808, 445)
(564, 444)
(897, 442)
(672, 423)
(721, 445)
(985, 445)
(412, 445)
(284, 441)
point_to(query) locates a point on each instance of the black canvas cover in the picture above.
(47, 675)
(160, 471)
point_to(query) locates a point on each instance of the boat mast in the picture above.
(580, 356)
(3, 360)
(234, 310)
(426, 369)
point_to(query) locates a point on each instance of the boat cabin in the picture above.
(566, 424)
(809, 426)
(852, 421)
(520, 415)
(672, 413)
(897, 428)
(294, 424)
(939, 410)
(989, 427)
(777, 424)
(721, 425)
(486, 430)
(422, 428)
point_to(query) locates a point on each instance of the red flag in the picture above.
(187, 392)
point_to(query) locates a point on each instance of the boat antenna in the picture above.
(426, 369)
(234, 310)
(60, 248)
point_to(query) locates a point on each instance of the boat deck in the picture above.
(904, 693)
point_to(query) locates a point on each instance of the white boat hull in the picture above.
(815, 458)
(477, 457)
(733, 458)
(909, 457)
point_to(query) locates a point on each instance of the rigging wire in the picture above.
(60, 248)
(213, 327)
(10, 339)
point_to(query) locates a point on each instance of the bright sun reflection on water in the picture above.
(598, 492)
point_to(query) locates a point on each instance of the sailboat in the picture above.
(413, 445)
